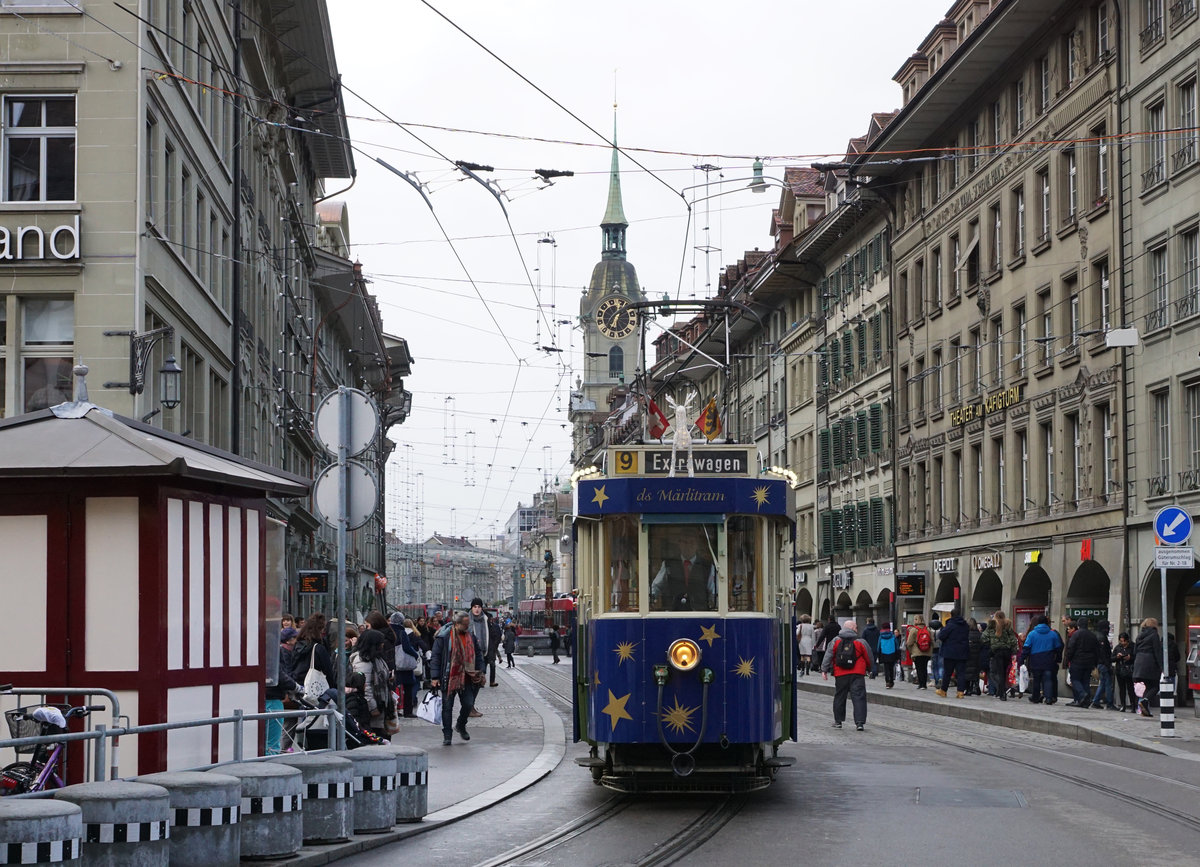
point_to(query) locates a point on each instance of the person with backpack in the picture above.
(889, 653)
(870, 635)
(919, 644)
(849, 658)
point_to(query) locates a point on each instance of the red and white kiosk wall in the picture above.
(136, 561)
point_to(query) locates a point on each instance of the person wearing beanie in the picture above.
(479, 628)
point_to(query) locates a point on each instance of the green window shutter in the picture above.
(863, 434)
(823, 288)
(848, 354)
(864, 526)
(877, 252)
(835, 521)
(877, 521)
(862, 344)
(823, 369)
(823, 445)
(876, 337)
(826, 534)
(876, 424)
(837, 444)
(849, 521)
(835, 360)
(884, 242)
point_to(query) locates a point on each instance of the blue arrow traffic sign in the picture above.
(1172, 525)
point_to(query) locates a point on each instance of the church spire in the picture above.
(613, 225)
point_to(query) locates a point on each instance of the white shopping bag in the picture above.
(430, 708)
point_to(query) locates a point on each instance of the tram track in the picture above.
(1177, 816)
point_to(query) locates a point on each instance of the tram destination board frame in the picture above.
(705, 462)
(313, 582)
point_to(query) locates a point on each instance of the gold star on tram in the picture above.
(598, 496)
(616, 709)
(745, 667)
(624, 651)
(679, 718)
(596, 678)
(761, 496)
(709, 634)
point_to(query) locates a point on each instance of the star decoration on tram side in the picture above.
(596, 678)
(709, 634)
(598, 496)
(761, 496)
(679, 718)
(745, 668)
(615, 709)
(624, 651)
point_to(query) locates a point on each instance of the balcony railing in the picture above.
(1184, 157)
(1188, 305)
(1189, 480)
(1154, 175)
(1159, 486)
(1152, 33)
(1181, 9)
(1157, 318)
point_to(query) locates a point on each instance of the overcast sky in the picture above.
(702, 83)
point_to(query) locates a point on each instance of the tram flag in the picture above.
(657, 423)
(709, 422)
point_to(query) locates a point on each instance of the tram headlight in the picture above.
(683, 654)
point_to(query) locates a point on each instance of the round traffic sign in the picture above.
(361, 495)
(1172, 525)
(363, 421)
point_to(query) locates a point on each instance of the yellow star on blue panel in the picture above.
(598, 496)
(624, 651)
(709, 634)
(761, 496)
(615, 709)
(679, 718)
(745, 667)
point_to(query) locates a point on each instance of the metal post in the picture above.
(238, 748)
(1166, 688)
(98, 774)
(343, 520)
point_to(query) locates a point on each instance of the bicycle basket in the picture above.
(20, 727)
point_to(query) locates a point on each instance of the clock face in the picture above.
(615, 318)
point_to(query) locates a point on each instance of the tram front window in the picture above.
(621, 533)
(683, 557)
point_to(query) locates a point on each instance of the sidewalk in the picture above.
(1106, 727)
(514, 744)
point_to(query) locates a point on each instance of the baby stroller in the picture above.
(312, 733)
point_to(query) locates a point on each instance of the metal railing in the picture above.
(101, 734)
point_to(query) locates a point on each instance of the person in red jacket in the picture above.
(849, 658)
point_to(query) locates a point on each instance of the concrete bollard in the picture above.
(328, 796)
(40, 832)
(204, 817)
(374, 788)
(270, 816)
(412, 782)
(125, 824)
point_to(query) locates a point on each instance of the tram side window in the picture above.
(683, 558)
(622, 535)
(744, 578)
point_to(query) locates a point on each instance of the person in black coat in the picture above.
(1081, 656)
(1147, 664)
(495, 641)
(406, 678)
(310, 650)
(956, 649)
(870, 635)
(555, 642)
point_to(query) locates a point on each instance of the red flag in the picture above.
(709, 422)
(657, 423)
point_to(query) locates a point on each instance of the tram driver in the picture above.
(688, 581)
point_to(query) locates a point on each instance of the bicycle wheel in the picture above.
(17, 778)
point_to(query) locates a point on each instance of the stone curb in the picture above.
(988, 716)
(553, 750)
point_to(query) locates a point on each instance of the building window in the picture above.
(997, 125)
(616, 363)
(169, 191)
(1152, 17)
(997, 351)
(1159, 298)
(1019, 357)
(977, 343)
(956, 349)
(1076, 468)
(1073, 315)
(39, 148)
(1043, 84)
(1103, 296)
(1048, 443)
(977, 458)
(1043, 182)
(1156, 146)
(997, 238)
(185, 212)
(1023, 449)
(1099, 166)
(935, 387)
(972, 255)
(956, 258)
(1189, 276)
(1018, 222)
(953, 154)
(1102, 35)
(1046, 338)
(47, 338)
(1071, 186)
(1186, 100)
(1193, 415)
(152, 151)
(1018, 101)
(1160, 458)
(1072, 45)
(936, 288)
(976, 140)
(1109, 465)
(1000, 500)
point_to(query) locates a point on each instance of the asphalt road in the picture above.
(912, 786)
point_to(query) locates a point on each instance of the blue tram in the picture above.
(684, 671)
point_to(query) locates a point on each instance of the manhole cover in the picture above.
(972, 798)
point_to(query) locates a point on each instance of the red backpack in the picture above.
(924, 639)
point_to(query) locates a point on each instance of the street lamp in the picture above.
(170, 375)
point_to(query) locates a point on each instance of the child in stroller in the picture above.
(312, 733)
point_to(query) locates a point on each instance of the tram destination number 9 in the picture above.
(627, 463)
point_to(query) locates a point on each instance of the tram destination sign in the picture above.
(910, 584)
(705, 462)
(313, 581)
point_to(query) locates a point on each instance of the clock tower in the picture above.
(611, 338)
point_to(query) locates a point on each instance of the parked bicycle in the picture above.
(41, 771)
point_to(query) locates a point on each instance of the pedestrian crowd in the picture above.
(383, 664)
(968, 658)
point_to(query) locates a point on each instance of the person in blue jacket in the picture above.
(956, 642)
(1042, 653)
